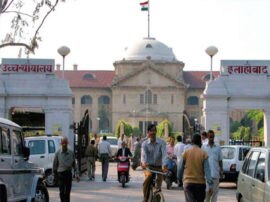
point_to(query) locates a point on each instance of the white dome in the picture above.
(149, 48)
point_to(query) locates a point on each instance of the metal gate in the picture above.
(81, 131)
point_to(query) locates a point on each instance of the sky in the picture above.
(97, 32)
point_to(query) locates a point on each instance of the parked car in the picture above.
(20, 180)
(233, 159)
(254, 178)
(42, 151)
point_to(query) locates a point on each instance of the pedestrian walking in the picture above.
(153, 156)
(188, 144)
(120, 140)
(178, 151)
(204, 138)
(194, 168)
(170, 146)
(91, 153)
(215, 161)
(105, 154)
(63, 163)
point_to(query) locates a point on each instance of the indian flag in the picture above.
(144, 6)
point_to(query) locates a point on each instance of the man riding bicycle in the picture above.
(153, 156)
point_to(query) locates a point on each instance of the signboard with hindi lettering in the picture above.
(245, 67)
(43, 66)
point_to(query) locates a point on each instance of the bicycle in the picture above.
(155, 194)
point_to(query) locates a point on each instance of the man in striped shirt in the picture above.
(153, 156)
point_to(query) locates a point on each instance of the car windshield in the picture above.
(112, 141)
(228, 152)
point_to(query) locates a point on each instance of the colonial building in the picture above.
(149, 84)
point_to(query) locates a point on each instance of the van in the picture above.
(20, 180)
(233, 159)
(42, 151)
(254, 178)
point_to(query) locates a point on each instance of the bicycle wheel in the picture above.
(150, 195)
(158, 197)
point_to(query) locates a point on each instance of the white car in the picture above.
(42, 151)
(233, 159)
(20, 180)
(254, 177)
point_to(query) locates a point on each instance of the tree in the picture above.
(26, 17)
(136, 131)
(161, 128)
(127, 128)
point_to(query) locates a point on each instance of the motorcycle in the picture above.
(172, 171)
(123, 170)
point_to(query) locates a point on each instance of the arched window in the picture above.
(193, 100)
(104, 100)
(86, 99)
(148, 97)
(148, 46)
(88, 76)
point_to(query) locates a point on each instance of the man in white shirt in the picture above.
(121, 139)
(215, 161)
(105, 153)
(178, 150)
(204, 138)
(188, 144)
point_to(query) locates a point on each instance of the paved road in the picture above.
(111, 191)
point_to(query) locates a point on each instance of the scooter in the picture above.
(123, 170)
(172, 171)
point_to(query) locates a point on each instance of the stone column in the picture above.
(267, 127)
(59, 122)
(217, 119)
(95, 121)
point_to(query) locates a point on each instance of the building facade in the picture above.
(148, 85)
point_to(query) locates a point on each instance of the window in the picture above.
(260, 168)
(228, 152)
(193, 100)
(124, 99)
(141, 99)
(88, 76)
(17, 143)
(242, 153)
(5, 146)
(73, 100)
(252, 163)
(37, 146)
(155, 99)
(148, 46)
(86, 99)
(51, 146)
(172, 100)
(104, 100)
(148, 97)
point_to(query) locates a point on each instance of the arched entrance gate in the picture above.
(30, 85)
(241, 85)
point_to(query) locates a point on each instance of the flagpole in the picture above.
(148, 18)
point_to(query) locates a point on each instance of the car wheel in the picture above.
(240, 199)
(50, 179)
(42, 194)
(3, 194)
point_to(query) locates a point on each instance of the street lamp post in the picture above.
(211, 51)
(63, 51)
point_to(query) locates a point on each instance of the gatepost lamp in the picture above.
(63, 51)
(211, 51)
